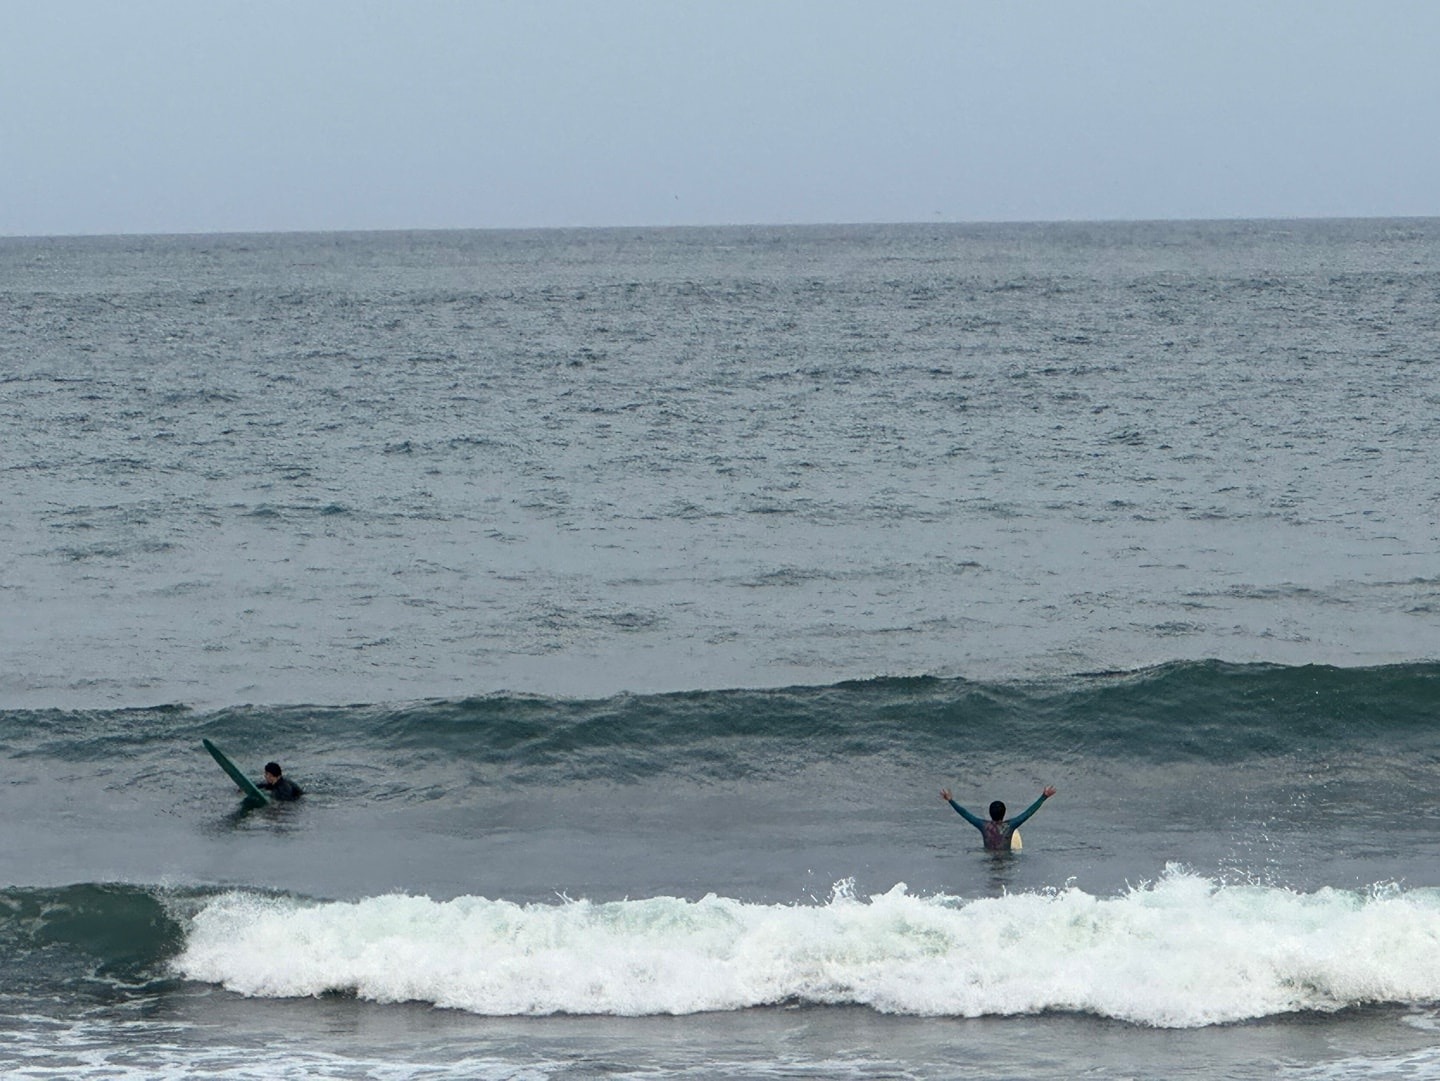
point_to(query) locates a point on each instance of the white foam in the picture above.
(1185, 951)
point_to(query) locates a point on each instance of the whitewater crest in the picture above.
(1184, 951)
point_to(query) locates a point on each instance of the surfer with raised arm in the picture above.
(999, 830)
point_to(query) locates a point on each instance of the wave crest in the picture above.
(1184, 951)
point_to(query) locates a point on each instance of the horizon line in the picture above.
(868, 223)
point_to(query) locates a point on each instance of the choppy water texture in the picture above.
(623, 599)
(1237, 878)
(379, 467)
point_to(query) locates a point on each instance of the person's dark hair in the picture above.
(997, 810)
(272, 768)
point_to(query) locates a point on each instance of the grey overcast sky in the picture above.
(217, 115)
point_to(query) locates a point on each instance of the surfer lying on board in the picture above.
(998, 831)
(279, 786)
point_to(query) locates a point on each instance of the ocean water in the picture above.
(623, 599)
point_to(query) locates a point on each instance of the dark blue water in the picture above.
(623, 600)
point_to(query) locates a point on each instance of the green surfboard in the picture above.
(253, 796)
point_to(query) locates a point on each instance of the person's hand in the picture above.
(1048, 791)
(945, 794)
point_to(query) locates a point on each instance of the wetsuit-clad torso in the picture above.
(997, 834)
(283, 789)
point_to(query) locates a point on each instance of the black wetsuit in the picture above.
(997, 834)
(283, 789)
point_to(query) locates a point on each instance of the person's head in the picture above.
(997, 811)
(272, 771)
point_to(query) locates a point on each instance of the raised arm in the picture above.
(979, 824)
(1018, 820)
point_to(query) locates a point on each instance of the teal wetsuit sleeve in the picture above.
(1018, 820)
(968, 817)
